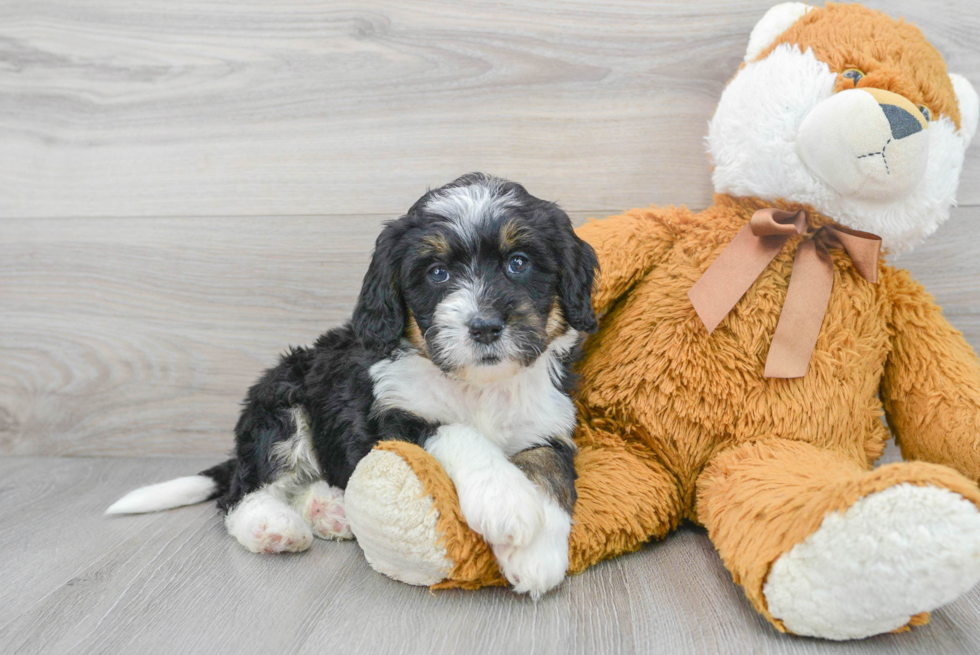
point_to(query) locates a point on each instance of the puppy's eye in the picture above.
(438, 274)
(853, 74)
(518, 264)
(925, 113)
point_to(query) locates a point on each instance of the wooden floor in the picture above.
(74, 581)
(188, 187)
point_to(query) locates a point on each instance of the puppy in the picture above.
(462, 341)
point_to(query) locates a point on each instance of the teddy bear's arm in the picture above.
(931, 387)
(628, 246)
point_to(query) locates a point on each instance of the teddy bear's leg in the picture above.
(824, 547)
(404, 511)
(626, 497)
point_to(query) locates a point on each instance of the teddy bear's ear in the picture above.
(776, 21)
(966, 97)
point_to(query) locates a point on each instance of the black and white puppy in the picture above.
(462, 341)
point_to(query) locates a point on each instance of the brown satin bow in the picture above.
(757, 244)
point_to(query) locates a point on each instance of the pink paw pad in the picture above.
(324, 511)
(273, 542)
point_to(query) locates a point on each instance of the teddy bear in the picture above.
(746, 353)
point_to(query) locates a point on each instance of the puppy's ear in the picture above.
(379, 316)
(578, 267)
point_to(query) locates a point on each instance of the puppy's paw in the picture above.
(540, 566)
(263, 524)
(322, 507)
(504, 508)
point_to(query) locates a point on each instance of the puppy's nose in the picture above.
(485, 330)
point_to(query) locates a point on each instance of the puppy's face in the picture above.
(479, 276)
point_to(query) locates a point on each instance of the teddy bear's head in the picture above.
(850, 111)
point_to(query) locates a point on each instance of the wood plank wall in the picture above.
(188, 187)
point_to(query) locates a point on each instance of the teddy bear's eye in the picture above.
(853, 74)
(925, 113)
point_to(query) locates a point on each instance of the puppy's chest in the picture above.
(514, 413)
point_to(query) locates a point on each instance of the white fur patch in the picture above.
(452, 341)
(296, 454)
(969, 104)
(777, 20)
(496, 498)
(514, 407)
(752, 140)
(466, 207)
(542, 564)
(165, 495)
(891, 555)
(263, 523)
(394, 521)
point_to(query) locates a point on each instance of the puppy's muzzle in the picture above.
(485, 329)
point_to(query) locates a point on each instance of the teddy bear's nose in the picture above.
(903, 117)
(903, 123)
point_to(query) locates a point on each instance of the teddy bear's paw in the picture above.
(540, 566)
(264, 524)
(502, 506)
(322, 507)
(394, 521)
(892, 555)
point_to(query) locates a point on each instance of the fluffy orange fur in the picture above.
(893, 55)
(675, 424)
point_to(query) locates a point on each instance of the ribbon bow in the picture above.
(749, 253)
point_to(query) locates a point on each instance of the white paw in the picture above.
(264, 524)
(503, 506)
(541, 565)
(893, 554)
(322, 507)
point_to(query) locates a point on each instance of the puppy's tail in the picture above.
(206, 485)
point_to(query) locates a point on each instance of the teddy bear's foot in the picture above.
(394, 520)
(869, 570)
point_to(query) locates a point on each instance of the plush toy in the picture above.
(746, 353)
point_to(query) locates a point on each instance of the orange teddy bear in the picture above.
(746, 353)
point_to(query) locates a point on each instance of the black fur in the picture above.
(330, 380)
(379, 316)
(577, 274)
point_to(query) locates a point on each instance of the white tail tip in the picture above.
(173, 493)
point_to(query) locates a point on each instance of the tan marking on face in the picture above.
(511, 234)
(524, 314)
(414, 335)
(556, 325)
(435, 244)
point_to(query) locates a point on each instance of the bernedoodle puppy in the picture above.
(462, 341)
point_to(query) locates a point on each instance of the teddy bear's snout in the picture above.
(865, 143)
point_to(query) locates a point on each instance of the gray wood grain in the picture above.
(144, 334)
(75, 581)
(121, 108)
(134, 337)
